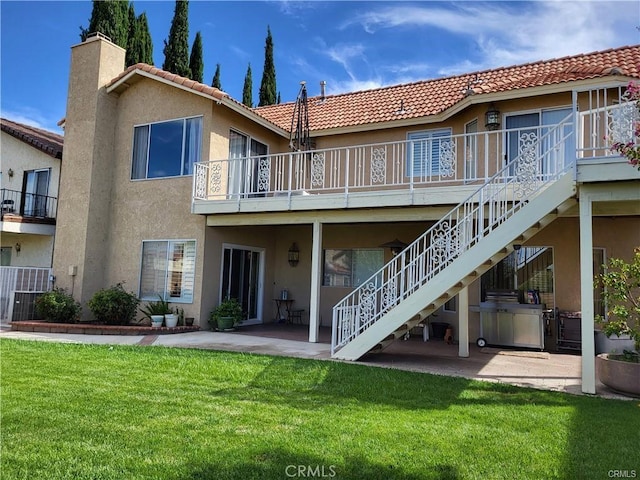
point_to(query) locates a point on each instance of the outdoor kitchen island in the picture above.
(506, 322)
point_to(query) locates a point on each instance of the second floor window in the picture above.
(166, 149)
(425, 151)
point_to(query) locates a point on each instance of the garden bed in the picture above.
(92, 329)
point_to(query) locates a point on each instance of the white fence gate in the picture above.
(25, 279)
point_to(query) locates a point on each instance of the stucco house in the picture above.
(31, 160)
(394, 204)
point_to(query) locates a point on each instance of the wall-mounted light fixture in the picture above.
(293, 255)
(517, 246)
(396, 246)
(492, 118)
(10, 172)
(18, 248)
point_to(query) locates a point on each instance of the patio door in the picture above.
(244, 169)
(532, 127)
(36, 188)
(242, 279)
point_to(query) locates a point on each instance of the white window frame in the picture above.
(148, 147)
(471, 151)
(190, 276)
(428, 136)
(242, 176)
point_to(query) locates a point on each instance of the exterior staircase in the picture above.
(524, 197)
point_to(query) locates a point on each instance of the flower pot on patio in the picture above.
(156, 321)
(225, 324)
(622, 376)
(171, 320)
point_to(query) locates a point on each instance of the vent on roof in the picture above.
(401, 110)
(323, 84)
(97, 35)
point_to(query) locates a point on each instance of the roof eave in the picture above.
(236, 107)
(125, 82)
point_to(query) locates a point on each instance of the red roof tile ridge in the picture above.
(581, 69)
(171, 77)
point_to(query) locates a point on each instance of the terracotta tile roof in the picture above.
(431, 97)
(171, 77)
(48, 142)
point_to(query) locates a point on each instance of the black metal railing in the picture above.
(26, 204)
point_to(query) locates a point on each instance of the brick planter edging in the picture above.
(90, 329)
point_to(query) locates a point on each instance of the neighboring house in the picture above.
(179, 190)
(31, 160)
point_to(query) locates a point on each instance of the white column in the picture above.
(316, 281)
(586, 295)
(463, 322)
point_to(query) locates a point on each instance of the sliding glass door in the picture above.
(245, 168)
(242, 279)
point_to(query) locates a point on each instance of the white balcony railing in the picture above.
(410, 165)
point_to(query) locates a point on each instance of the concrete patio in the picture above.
(535, 369)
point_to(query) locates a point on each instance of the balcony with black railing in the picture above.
(27, 207)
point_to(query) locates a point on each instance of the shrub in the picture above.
(114, 305)
(58, 306)
(622, 294)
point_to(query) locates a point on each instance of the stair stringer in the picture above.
(536, 214)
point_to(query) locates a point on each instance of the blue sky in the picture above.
(350, 45)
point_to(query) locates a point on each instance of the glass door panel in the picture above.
(242, 280)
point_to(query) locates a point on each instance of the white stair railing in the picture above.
(542, 158)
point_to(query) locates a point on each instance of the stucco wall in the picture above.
(35, 250)
(20, 157)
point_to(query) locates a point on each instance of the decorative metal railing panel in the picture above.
(540, 161)
(607, 116)
(403, 165)
(27, 204)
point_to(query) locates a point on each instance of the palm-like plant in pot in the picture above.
(156, 311)
(621, 371)
(226, 315)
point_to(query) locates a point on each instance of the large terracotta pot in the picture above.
(621, 376)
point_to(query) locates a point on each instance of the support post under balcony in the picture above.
(586, 295)
(463, 322)
(316, 277)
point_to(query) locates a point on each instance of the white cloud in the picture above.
(511, 33)
(239, 52)
(352, 85)
(33, 117)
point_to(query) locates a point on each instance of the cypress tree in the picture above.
(247, 95)
(268, 84)
(196, 63)
(110, 17)
(176, 49)
(146, 44)
(133, 52)
(139, 46)
(216, 78)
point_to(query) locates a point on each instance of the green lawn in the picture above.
(101, 412)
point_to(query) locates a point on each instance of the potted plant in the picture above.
(226, 315)
(621, 371)
(156, 311)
